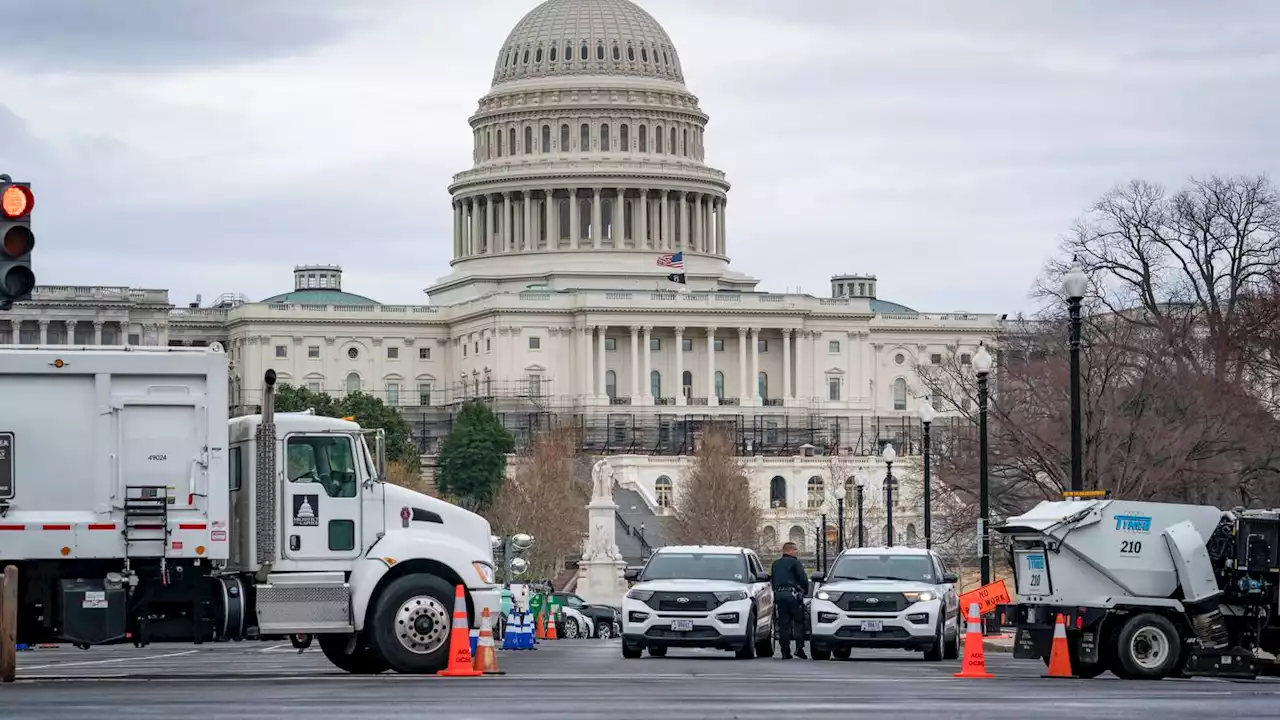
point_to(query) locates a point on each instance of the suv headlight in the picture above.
(828, 595)
(730, 596)
(925, 596)
(638, 594)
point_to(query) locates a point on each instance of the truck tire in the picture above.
(1148, 647)
(412, 622)
(362, 661)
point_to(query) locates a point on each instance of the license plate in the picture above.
(681, 625)
(872, 626)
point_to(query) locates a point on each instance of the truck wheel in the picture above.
(412, 622)
(362, 661)
(1148, 647)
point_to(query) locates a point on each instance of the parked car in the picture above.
(583, 619)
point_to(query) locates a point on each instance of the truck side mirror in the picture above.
(380, 441)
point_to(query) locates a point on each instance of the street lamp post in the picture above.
(982, 366)
(927, 414)
(822, 535)
(1073, 286)
(862, 537)
(889, 454)
(840, 492)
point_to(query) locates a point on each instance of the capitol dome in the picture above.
(588, 164)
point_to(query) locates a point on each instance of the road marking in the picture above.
(106, 662)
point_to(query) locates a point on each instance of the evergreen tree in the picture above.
(473, 459)
(368, 411)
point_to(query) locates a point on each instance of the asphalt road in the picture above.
(587, 679)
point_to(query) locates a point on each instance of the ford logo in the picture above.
(872, 601)
(682, 600)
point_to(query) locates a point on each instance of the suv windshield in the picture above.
(696, 566)
(912, 568)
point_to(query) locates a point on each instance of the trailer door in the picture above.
(321, 498)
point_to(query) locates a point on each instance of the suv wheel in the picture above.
(748, 649)
(604, 630)
(631, 652)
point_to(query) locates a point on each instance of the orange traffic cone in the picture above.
(1059, 654)
(460, 641)
(974, 663)
(541, 632)
(486, 656)
(551, 625)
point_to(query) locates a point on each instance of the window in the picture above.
(584, 137)
(718, 344)
(684, 142)
(564, 138)
(553, 53)
(488, 345)
(719, 384)
(134, 339)
(644, 54)
(499, 148)
(833, 389)
(314, 386)
(657, 140)
(393, 353)
(535, 343)
(817, 492)
(424, 393)
(616, 54)
(282, 351)
(644, 140)
(662, 491)
(610, 344)
(686, 384)
(599, 52)
(604, 138)
(762, 385)
(313, 351)
(476, 346)
(611, 384)
(672, 148)
(528, 139)
(762, 346)
(935, 359)
(353, 353)
(511, 144)
(342, 535)
(353, 383)
(965, 359)
(326, 460)
(655, 383)
(686, 344)
(526, 57)
(546, 139)
(235, 473)
(535, 384)
(424, 353)
(655, 344)
(631, 54)
(833, 346)
(778, 492)
(393, 393)
(464, 350)
(899, 359)
(900, 394)
(624, 138)
(538, 56)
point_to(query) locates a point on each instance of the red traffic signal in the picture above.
(16, 201)
(18, 241)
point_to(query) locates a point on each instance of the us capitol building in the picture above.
(589, 166)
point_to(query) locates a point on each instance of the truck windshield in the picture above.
(696, 566)
(911, 568)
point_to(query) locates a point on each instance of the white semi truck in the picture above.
(136, 511)
(1148, 590)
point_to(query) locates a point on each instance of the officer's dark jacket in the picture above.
(788, 572)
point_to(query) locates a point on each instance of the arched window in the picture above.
(553, 53)
(671, 149)
(617, 54)
(564, 138)
(817, 492)
(353, 382)
(526, 57)
(604, 137)
(584, 221)
(686, 384)
(719, 384)
(584, 138)
(562, 212)
(644, 139)
(684, 142)
(900, 394)
(624, 138)
(762, 385)
(769, 538)
(568, 52)
(606, 218)
(631, 54)
(583, 53)
(662, 491)
(546, 139)
(499, 148)
(627, 232)
(538, 57)
(528, 139)
(657, 140)
(644, 54)
(912, 536)
(778, 492)
(611, 384)
(798, 536)
(655, 384)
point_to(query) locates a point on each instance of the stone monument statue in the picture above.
(603, 581)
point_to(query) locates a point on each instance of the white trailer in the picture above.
(136, 511)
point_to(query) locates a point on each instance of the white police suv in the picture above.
(699, 596)
(893, 597)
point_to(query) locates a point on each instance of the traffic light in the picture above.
(16, 242)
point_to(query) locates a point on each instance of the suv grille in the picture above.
(872, 602)
(694, 601)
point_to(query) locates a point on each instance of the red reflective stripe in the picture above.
(56, 527)
(192, 526)
(102, 526)
(13, 527)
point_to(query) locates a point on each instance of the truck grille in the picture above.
(693, 602)
(872, 602)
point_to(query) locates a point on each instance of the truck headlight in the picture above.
(828, 595)
(925, 596)
(485, 571)
(730, 596)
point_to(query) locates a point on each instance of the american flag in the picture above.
(675, 262)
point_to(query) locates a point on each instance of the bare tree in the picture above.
(546, 497)
(715, 504)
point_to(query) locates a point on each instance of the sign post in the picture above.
(9, 625)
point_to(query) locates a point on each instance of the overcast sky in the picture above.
(945, 146)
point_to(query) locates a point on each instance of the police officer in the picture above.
(789, 585)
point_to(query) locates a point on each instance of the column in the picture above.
(15, 329)
(527, 241)
(709, 236)
(868, 370)
(680, 398)
(619, 231)
(457, 228)
(698, 241)
(584, 362)
(640, 220)
(742, 366)
(508, 221)
(712, 399)
(755, 368)
(801, 341)
(596, 225)
(645, 348)
(786, 365)
(636, 394)
(664, 218)
(71, 332)
(854, 389)
(601, 362)
(549, 203)
(682, 206)
(575, 225)
(488, 225)
(97, 332)
(44, 332)
(721, 226)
